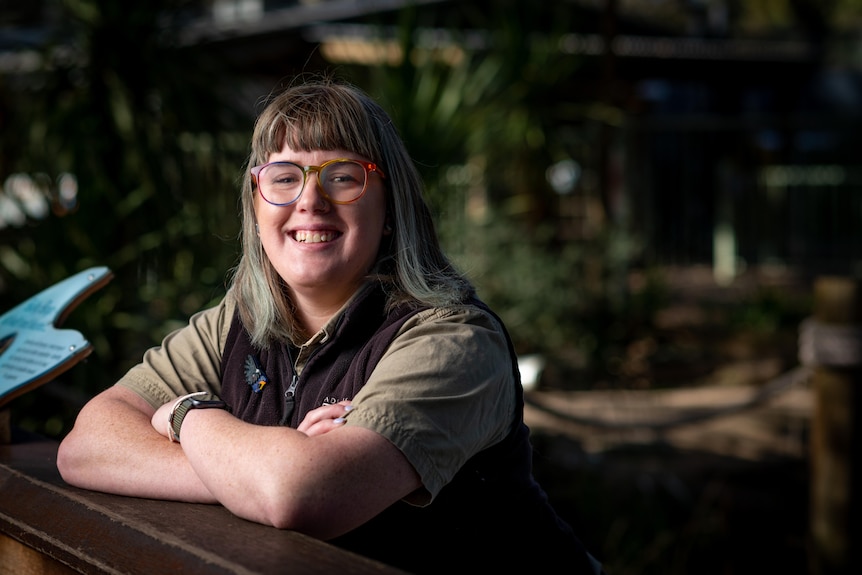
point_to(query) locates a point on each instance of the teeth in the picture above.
(314, 237)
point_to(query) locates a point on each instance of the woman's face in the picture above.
(320, 249)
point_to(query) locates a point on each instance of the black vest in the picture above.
(492, 515)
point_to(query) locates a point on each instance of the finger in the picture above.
(329, 423)
(325, 413)
(324, 426)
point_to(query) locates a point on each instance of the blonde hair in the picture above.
(327, 115)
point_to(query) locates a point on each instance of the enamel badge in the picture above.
(254, 375)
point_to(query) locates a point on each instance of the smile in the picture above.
(313, 237)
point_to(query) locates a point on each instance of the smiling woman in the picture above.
(321, 235)
(356, 388)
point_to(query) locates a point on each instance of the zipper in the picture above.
(289, 400)
(290, 393)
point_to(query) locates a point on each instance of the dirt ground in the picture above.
(710, 476)
(708, 484)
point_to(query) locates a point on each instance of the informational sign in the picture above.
(33, 350)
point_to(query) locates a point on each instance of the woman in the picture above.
(361, 393)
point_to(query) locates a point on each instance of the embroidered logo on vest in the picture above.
(254, 375)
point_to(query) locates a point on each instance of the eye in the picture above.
(283, 175)
(344, 174)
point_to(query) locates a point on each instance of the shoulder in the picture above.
(213, 323)
(464, 335)
(458, 330)
(187, 359)
(468, 315)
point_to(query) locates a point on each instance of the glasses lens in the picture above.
(343, 181)
(281, 182)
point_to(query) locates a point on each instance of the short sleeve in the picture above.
(188, 359)
(443, 391)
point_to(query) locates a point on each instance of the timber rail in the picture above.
(51, 528)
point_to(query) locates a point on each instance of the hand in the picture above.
(325, 418)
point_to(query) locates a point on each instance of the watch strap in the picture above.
(183, 405)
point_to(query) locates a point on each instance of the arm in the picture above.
(325, 478)
(114, 448)
(323, 484)
(443, 392)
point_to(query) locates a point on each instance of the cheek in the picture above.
(377, 214)
(266, 215)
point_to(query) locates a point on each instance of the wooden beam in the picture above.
(48, 526)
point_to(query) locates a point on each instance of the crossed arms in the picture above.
(323, 478)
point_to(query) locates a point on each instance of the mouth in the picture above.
(314, 237)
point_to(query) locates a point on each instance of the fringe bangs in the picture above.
(327, 119)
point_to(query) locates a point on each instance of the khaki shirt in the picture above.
(442, 392)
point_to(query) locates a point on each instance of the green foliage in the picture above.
(484, 125)
(769, 310)
(536, 286)
(149, 140)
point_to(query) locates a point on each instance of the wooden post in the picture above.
(835, 443)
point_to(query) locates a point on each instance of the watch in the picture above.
(199, 400)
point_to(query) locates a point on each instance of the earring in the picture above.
(257, 229)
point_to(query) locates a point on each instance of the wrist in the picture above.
(184, 405)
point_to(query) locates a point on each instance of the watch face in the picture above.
(205, 401)
(203, 398)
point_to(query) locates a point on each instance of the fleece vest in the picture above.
(261, 386)
(492, 515)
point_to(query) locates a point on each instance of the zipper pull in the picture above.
(289, 400)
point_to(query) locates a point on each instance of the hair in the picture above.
(323, 114)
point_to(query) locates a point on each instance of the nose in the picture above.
(312, 198)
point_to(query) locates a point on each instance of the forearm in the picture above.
(323, 485)
(113, 448)
(249, 469)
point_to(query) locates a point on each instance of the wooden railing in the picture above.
(49, 527)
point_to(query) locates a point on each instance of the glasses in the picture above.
(342, 181)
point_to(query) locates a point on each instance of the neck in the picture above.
(313, 311)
